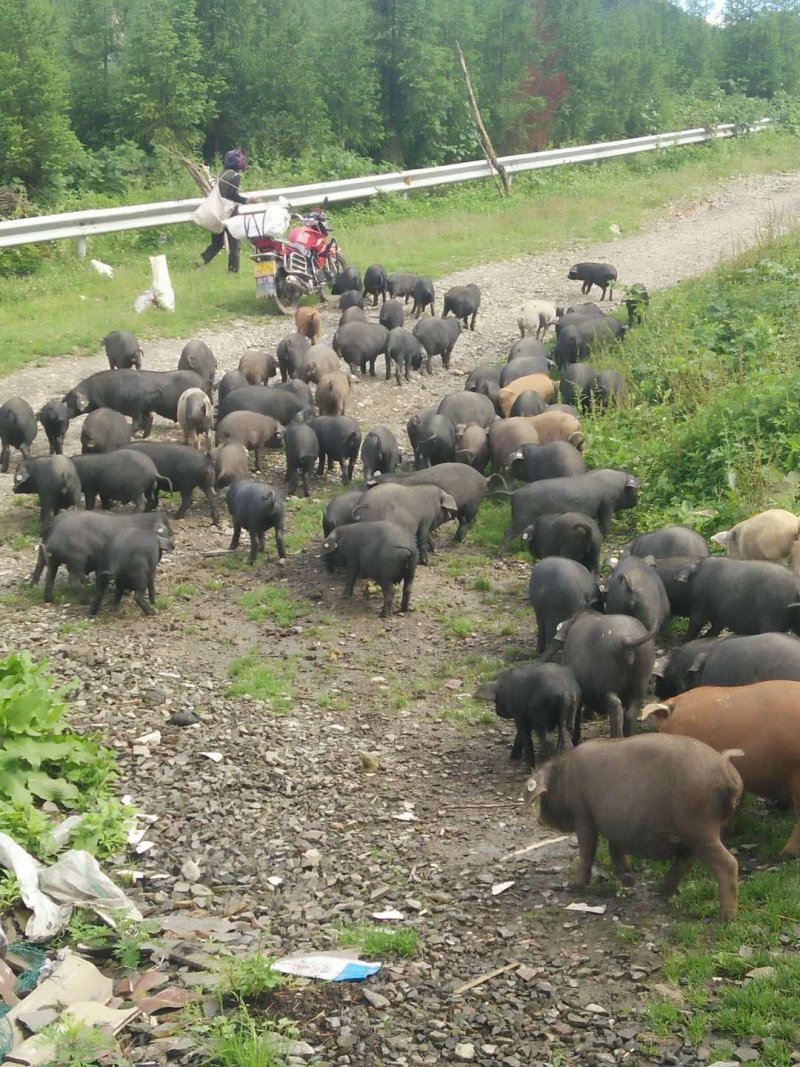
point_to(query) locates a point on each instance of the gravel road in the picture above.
(366, 791)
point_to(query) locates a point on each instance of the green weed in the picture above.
(273, 603)
(379, 943)
(264, 678)
(662, 1016)
(184, 590)
(239, 1040)
(246, 977)
(78, 1045)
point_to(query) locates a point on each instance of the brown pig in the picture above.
(332, 393)
(558, 426)
(308, 323)
(762, 719)
(507, 436)
(258, 366)
(231, 464)
(256, 432)
(538, 383)
(472, 446)
(650, 796)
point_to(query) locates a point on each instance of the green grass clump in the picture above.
(264, 678)
(379, 943)
(247, 977)
(706, 961)
(271, 603)
(239, 1039)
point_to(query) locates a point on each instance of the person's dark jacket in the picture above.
(229, 186)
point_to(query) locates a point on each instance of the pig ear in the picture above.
(724, 537)
(632, 483)
(537, 786)
(449, 502)
(656, 711)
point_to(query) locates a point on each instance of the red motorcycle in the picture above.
(297, 265)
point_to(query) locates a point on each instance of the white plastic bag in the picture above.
(160, 294)
(76, 879)
(272, 219)
(214, 211)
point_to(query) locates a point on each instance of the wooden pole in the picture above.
(483, 136)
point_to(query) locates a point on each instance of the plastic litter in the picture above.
(76, 880)
(47, 918)
(330, 968)
(102, 268)
(51, 893)
(589, 909)
(393, 915)
(501, 887)
(160, 294)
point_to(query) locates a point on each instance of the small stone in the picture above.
(464, 1051)
(190, 871)
(184, 717)
(377, 1000)
(745, 1054)
(311, 858)
(761, 972)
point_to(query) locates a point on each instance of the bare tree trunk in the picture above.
(483, 136)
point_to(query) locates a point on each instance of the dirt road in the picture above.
(363, 776)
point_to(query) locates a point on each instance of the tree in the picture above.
(94, 33)
(161, 97)
(36, 142)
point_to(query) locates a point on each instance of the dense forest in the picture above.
(90, 90)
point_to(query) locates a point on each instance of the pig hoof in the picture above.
(626, 879)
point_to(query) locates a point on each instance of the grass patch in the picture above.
(264, 678)
(712, 416)
(379, 943)
(184, 590)
(273, 603)
(710, 963)
(239, 1039)
(246, 977)
(75, 305)
(303, 524)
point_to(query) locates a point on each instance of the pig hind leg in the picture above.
(387, 588)
(725, 869)
(619, 861)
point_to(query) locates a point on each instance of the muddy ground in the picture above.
(367, 779)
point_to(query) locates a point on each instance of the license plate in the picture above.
(265, 269)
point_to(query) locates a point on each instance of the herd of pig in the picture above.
(729, 710)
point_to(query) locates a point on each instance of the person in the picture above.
(234, 163)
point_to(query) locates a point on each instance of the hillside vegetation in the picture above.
(712, 420)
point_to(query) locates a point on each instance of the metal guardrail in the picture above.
(83, 224)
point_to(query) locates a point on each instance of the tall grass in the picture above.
(712, 420)
(67, 307)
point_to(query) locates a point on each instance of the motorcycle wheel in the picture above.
(335, 265)
(286, 299)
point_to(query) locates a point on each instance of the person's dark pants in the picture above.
(217, 241)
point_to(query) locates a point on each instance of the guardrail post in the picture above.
(82, 246)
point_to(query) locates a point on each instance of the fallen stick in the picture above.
(530, 848)
(483, 807)
(486, 977)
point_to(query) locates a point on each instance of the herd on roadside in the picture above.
(728, 708)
